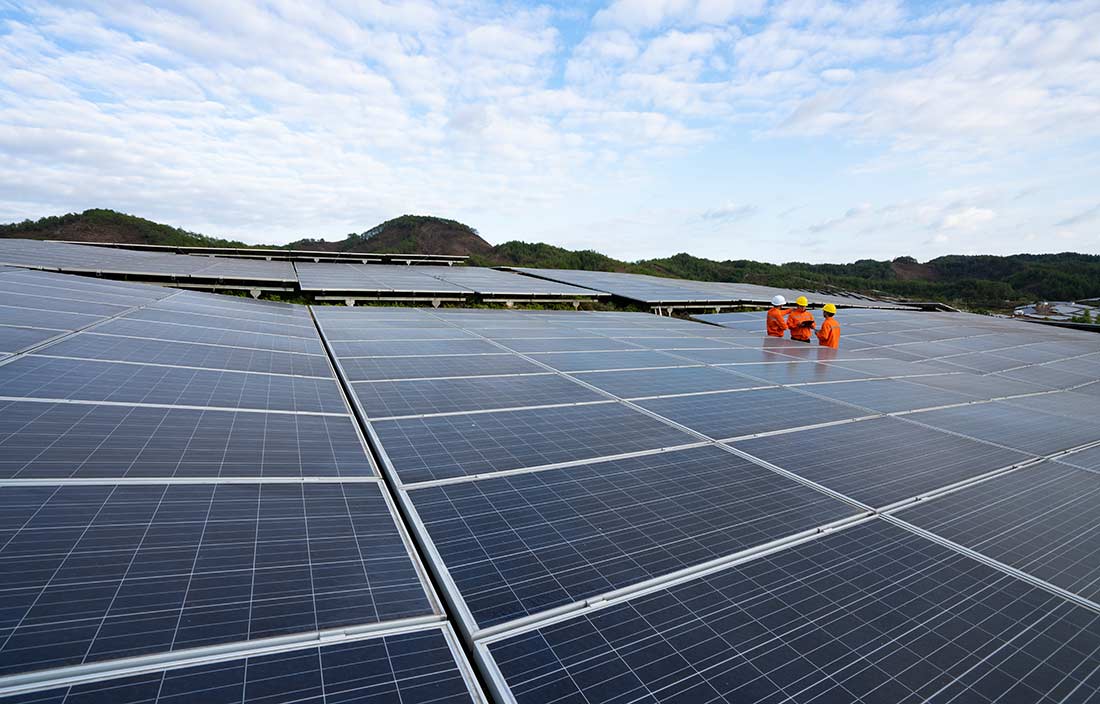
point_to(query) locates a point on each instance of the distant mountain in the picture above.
(408, 234)
(99, 225)
(997, 283)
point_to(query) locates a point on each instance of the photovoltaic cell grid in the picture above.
(869, 614)
(520, 544)
(34, 310)
(110, 571)
(465, 451)
(417, 667)
(96, 571)
(1040, 519)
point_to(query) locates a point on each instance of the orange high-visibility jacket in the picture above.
(777, 322)
(794, 323)
(829, 334)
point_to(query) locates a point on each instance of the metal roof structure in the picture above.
(211, 497)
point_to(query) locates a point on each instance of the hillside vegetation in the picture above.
(969, 281)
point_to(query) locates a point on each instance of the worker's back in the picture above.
(829, 334)
(777, 321)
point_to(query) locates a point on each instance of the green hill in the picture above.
(969, 281)
(99, 225)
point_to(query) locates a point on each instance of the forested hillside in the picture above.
(969, 281)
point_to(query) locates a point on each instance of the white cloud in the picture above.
(267, 121)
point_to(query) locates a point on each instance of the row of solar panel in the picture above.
(523, 543)
(335, 278)
(663, 291)
(178, 568)
(343, 278)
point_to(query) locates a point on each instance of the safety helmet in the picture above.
(801, 301)
(779, 301)
(829, 308)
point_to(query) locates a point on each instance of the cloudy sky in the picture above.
(767, 129)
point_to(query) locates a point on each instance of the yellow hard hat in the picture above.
(801, 301)
(829, 308)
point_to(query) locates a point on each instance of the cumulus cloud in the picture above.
(730, 212)
(270, 121)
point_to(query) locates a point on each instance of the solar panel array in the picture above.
(624, 507)
(617, 507)
(188, 510)
(76, 258)
(656, 290)
(334, 280)
(339, 278)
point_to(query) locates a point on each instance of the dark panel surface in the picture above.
(125, 349)
(869, 614)
(1040, 519)
(423, 449)
(1013, 426)
(882, 460)
(99, 572)
(42, 377)
(210, 336)
(384, 368)
(39, 440)
(740, 413)
(889, 395)
(521, 544)
(660, 382)
(410, 668)
(401, 398)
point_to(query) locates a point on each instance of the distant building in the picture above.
(1059, 311)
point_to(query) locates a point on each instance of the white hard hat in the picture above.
(779, 301)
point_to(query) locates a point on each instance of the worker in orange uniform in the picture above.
(829, 334)
(777, 317)
(800, 321)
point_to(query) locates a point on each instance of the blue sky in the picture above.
(788, 130)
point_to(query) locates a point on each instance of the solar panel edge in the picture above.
(108, 671)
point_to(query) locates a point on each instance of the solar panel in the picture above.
(399, 348)
(733, 355)
(521, 544)
(13, 339)
(416, 397)
(867, 614)
(583, 344)
(596, 361)
(660, 382)
(425, 449)
(85, 441)
(210, 336)
(413, 668)
(126, 349)
(889, 395)
(394, 368)
(1020, 428)
(798, 373)
(99, 572)
(1085, 459)
(222, 322)
(1040, 519)
(77, 379)
(742, 413)
(882, 460)
(377, 333)
(61, 305)
(980, 387)
(1048, 376)
(50, 319)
